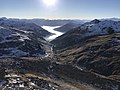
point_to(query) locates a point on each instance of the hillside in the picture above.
(17, 43)
(85, 31)
(22, 25)
(100, 54)
(84, 58)
(42, 74)
(67, 27)
(92, 47)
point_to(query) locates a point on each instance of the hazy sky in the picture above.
(74, 9)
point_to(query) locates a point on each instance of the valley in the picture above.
(33, 57)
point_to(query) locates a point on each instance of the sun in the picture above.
(49, 2)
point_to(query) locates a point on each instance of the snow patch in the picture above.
(22, 37)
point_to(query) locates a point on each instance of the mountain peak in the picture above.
(95, 21)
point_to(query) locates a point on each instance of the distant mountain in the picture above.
(67, 27)
(45, 22)
(87, 30)
(17, 43)
(114, 19)
(22, 25)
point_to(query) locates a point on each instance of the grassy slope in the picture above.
(99, 54)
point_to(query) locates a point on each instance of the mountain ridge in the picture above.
(86, 30)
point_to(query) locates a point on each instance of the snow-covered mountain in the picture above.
(113, 19)
(97, 27)
(89, 29)
(22, 25)
(17, 43)
(46, 22)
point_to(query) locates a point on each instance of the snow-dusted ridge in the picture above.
(21, 38)
(22, 25)
(17, 43)
(97, 27)
(85, 31)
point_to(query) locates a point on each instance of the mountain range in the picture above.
(19, 38)
(46, 22)
(85, 31)
(85, 57)
(92, 47)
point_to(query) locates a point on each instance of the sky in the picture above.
(62, 9)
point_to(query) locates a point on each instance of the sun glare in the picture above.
(49, 2)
